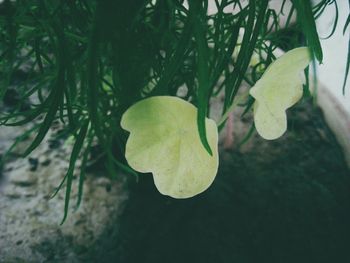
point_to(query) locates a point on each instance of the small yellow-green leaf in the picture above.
(164, 141)
(278, 89)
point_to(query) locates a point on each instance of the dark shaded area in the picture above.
(34, 162)
(281, 201)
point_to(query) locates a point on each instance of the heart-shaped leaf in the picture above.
(164, 141)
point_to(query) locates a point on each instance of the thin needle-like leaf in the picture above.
(203, 79)
(74, 156)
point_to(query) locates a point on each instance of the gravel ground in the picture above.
(30, 228)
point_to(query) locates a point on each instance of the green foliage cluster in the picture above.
(86, 62)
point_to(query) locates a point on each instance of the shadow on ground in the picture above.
(283, 201)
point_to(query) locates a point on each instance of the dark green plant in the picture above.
(86, 62)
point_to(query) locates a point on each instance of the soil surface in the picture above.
(286, 201)
(282, 201)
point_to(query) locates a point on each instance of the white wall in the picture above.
(331, 72)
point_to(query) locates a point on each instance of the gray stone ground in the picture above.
(30, 228)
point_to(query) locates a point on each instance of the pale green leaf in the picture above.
(164, 141)
(278, 89)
